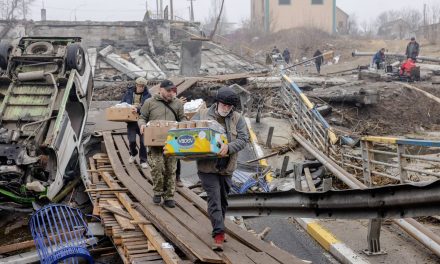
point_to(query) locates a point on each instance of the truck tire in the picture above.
(5, 51)
(75, 58)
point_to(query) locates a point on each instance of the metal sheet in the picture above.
(28, 102)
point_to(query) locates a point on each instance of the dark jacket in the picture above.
(318, 60)
(286, 54)
(412, 50)
(155, 109)
(238, 137)
(379, 57)
(129, 96)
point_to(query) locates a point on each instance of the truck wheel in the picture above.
(39, 48)
(5, 51)
(76, 58)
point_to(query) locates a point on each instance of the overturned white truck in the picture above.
(46, 87)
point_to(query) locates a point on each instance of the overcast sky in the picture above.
(236, 10)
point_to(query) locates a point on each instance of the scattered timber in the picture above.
(354, 95)
(187, 225)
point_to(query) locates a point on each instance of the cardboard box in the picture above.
(156, 132)
(121, 114)
(190, 114)
(199, 142)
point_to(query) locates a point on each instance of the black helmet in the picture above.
(227, 96)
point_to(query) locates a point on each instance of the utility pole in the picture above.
(191, 16)
(157, 9)
(171, 10)
(161, 9)
(424, 15)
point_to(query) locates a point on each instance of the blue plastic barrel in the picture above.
(59, 234)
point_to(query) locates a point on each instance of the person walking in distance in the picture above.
(162, 106)
(215, 173)
(136, 96)
(286, 55)
(319, 59)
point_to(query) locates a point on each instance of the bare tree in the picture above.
(214, 11)
(411, 16)
(353, 25)
(14, 9)
(433, 13)
(367, 28)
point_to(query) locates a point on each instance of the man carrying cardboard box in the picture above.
(136, 96)
(215, 173)
(162, 106)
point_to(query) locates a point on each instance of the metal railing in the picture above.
(306, 119)
(399, 159)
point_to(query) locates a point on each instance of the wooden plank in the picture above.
(176, 80)
(309, 180)
(233, 259)
(114, 207)
(182, 237)
(189, 214)
(16, 246)
(242, 235)
(188, 83)
(122, 217)
(261, 258)
(107, 190)
(147, 258)
(95, 176)
(169, 256)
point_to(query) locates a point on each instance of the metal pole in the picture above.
(157, 8)
(191, 13)
(360, 53)
(172, 9)
(269, 138)
(415, 232)
(284, 166)
(373, 238)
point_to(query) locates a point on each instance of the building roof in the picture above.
(339, 9)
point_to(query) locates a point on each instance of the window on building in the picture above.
(317, 2)
(283, 2)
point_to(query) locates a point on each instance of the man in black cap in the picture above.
(162, 106)
(216, 173)
(412, 49)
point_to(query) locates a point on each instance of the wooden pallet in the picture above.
(187, 225)
(127, 235)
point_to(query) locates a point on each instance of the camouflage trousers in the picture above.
(163, 171)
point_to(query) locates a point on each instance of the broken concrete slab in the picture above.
(171, 66)
(144, 61)
(93, 56)
(122, 65)
(369, 75)
(191, 58)
(317, 81)
(354, 95)
(428, 67)
(274, 82)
